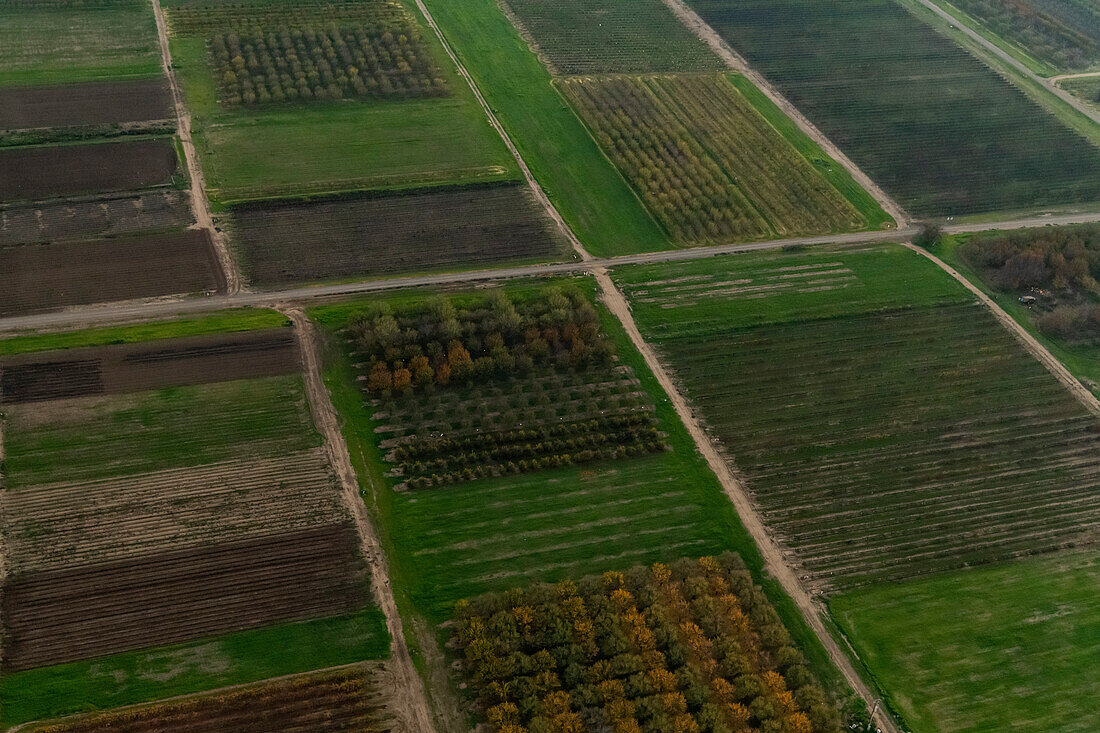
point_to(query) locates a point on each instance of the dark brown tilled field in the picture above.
(101, 217)
(96, 610)
(31, 173)
(341, 700)
(223, 357)
(94, 103)
(43, 277)
(325, 240)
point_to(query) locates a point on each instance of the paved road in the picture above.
(163, 308)
(1079, 104)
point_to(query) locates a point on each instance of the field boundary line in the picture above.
(540, 194)
(774, 562)
(194, 695)
(136, 310)
(1047, 83)
(735, 61)
(1029, 342)
(409, 699)
(200, 204)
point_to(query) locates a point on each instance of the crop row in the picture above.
(691, 647)
(341, 700)
(705, 161)
(909, 106)
(334, 63)
(51, 527)
(1067, 34)
(883, 446)
(201, 17)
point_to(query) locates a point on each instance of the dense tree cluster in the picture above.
(1067, 34)
(1063, 260)
(678, 180)
(446, 344)
(694, 646)
(287, 65)
(498, 386)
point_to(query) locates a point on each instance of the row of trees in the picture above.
(690, 647)
(498, 338)
(300, 64)
(201, 17)
(677, 179)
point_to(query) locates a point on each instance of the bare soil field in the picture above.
(351, 699)
(94, 610)
(92, 103)
(325, 240)
(27, 174)
(103, 520)
(50, 375)
(109, 216)
(43, 277)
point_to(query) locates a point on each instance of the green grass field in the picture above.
(887, 426)
(324, 147)
(1012, 647)
(67, 42)
(497, 533)
(590, 194)
(96, 437)
(205, 664)
(1087, 88)
(231, 321)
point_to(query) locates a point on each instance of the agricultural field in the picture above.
(30, 173)
(105, 216)
(691, 646)
(163, 492)
(344, 237)
(61, 41)
(1063, 33)
(1051, 265)
(495, 533)
(43, 277)
(877, 414)
(84, 109)
(340, 700)
(1010, 647)
(604, 36)
(322, 97)
(705, 162)
(935, 127)
(498, 388)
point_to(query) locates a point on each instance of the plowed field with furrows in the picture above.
(31, 173)
(92, 103)
(42, 277)
(65, 525)
(321, 240)
(121, 368)
(61, 616)
(108, 216)
(886, 445)
(342, 700)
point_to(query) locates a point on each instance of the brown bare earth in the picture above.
(49, 375)
(94, 610)
(347, 699)
(94, 103)
(108, 216)
(31, 173)
(324, 240)
(65, 525)
(41, 277)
